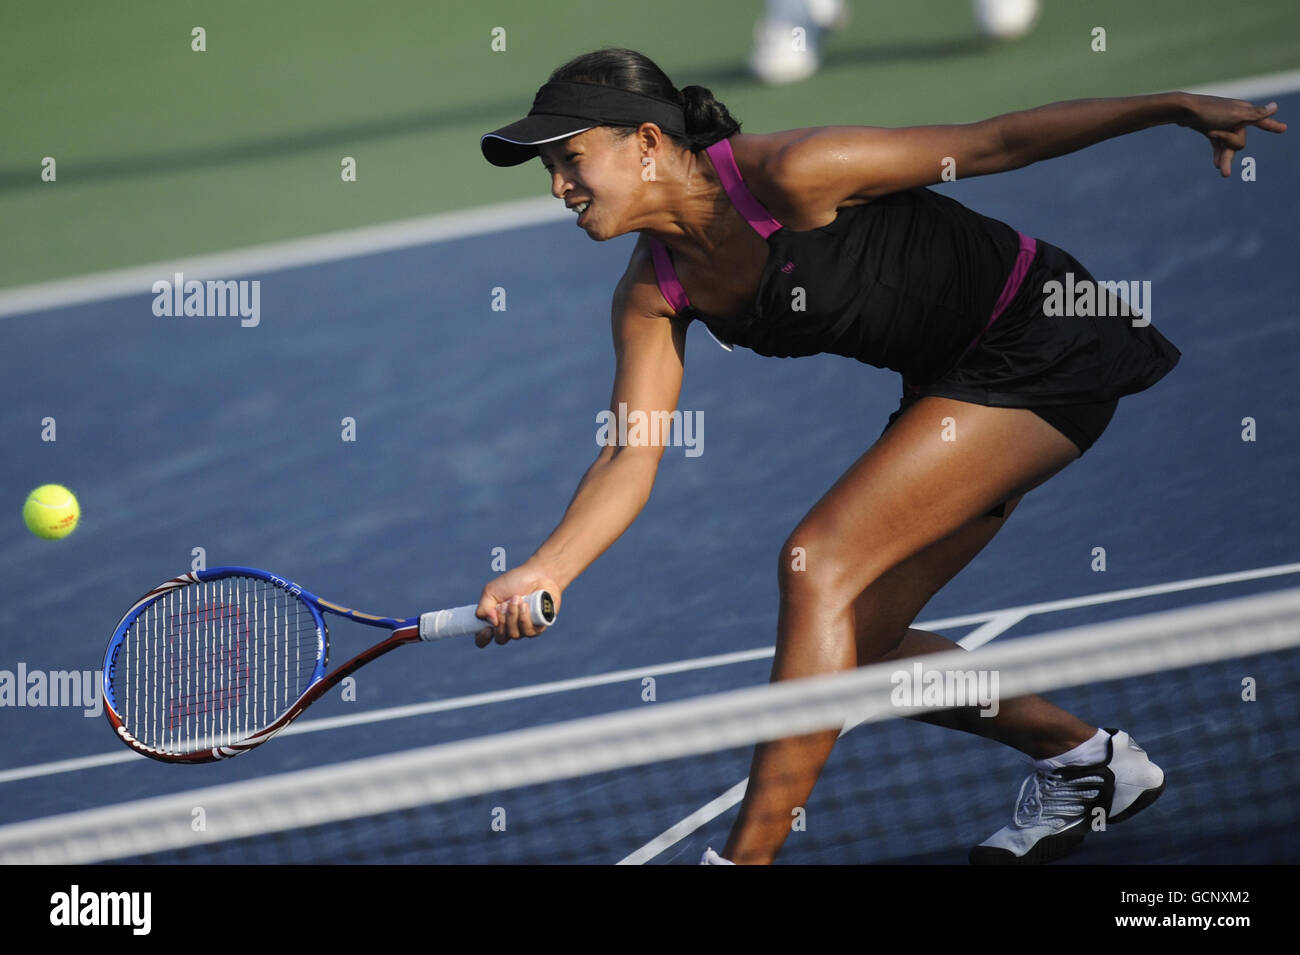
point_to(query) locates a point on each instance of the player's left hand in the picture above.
(1224, 122)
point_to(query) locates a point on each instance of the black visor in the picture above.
(561, 110)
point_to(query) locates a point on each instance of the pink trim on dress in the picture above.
(1024, 258)
(724, 161)
(671, 288)
(666, 276)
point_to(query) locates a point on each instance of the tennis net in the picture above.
(1212, 693)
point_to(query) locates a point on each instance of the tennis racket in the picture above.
(215, 662)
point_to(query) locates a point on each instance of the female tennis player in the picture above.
(826, 240)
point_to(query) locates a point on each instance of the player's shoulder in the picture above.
(758, 157)
(768, 163)
(637, 292)
(759, 152)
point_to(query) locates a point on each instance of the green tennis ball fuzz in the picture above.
(51, 512)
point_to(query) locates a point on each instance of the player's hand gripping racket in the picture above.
(215, 662)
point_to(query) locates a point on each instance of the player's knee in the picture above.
(815, 565)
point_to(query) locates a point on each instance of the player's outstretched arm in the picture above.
(650, 349)
(1035, 134)
(834, 164)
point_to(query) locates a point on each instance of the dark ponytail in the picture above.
(707, 120)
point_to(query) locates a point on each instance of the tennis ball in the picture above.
(51, 512)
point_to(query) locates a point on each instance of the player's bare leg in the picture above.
(900, 522)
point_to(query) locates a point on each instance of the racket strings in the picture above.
(210, 663)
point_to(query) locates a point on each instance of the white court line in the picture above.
(1252, 87)
(351, 243)
(1131, 593)
(292, 253)
(997, 623)
(994, 623)
(700, 817)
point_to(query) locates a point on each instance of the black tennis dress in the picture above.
(951, 299)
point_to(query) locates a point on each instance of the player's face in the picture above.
(600, 170)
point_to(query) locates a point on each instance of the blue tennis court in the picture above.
(473, 425)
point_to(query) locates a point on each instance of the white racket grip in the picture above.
(460, 621)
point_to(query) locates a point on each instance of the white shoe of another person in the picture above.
(1005, 19)
(788, 40)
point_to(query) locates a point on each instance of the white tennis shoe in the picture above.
(1056, 809)
(782, 55)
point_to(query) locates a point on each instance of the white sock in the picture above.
(1085, 754)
